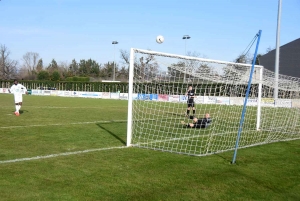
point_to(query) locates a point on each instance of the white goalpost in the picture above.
(157, 104)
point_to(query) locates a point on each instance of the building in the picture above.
(289, 59)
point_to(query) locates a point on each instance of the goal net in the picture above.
(158, 104)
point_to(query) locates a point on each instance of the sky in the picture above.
(82, 29)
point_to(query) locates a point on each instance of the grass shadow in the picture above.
(229, 160)
(111, 133)
(22, 111)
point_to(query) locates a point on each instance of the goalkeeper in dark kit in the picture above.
(198, 123)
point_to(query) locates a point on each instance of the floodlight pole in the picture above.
(185, 37)
(114, 75)
(277, 52)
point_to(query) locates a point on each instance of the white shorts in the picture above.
(18, 98)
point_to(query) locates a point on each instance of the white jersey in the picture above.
(18, 90)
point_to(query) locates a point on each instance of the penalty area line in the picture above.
(60, 154)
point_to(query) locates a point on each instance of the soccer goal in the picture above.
(157, 104)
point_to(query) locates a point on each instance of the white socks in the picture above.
(18, 107)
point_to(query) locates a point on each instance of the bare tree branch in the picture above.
(146, 65)
(30, 61)
(8, 68)
(125, 56)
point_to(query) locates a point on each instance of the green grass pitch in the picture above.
(74, 149)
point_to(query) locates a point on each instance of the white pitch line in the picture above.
(60, 154)
(75, 123)
(58, 107)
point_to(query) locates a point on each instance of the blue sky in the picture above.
(83, 29)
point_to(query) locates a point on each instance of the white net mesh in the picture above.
(159, 104)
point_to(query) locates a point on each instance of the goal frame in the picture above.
(131, 76)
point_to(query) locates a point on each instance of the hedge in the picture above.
(71, 86)
(204, 89)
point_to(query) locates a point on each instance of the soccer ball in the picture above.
(160, 39)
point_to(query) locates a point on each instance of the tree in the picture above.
(30, 61)
(204, 68)
(43, 75)
(94, 68)
(174, 73)
(124, 73)
(125, 57)
(257, 61)
(83, 69)
(243, 58)
(146, 67)
(39, 66)
(107, 70)
(237, 73)
(196, 66)
(73, 68)
(63, 69)
(52, 66)
(89, 68)
(178, 70)
(55, 76)
(8, 67)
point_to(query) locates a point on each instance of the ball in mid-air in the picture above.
(160, 39)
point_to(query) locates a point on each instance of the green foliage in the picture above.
(89, 67)
(43, 75)
(53, 66)
(39, 66)
(123, 73)
(107, 70)
(55, 76)
(257, 61)
(73, 68)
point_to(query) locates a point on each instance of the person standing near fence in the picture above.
(18, 90)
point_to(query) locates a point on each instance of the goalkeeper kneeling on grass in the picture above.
(198, 123)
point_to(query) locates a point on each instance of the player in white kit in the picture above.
(18, 90)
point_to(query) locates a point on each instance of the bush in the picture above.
(43, 75)
(55, 76)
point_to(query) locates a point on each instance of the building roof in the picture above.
(289, 59)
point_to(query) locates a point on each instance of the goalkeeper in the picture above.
(190, 101)
(198, 123)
